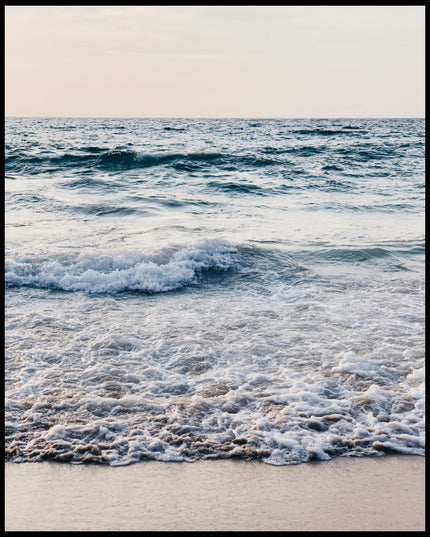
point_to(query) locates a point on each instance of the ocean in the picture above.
(184, 289)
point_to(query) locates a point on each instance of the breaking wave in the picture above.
(114, 159)
(92, 273)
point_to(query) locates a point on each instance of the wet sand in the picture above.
(343, 494)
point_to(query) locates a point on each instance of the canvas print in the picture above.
(214, 268)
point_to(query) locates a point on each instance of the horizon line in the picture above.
(210, 117)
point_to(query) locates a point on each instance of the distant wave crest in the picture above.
(121, 159)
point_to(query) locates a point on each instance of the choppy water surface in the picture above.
(186, 289)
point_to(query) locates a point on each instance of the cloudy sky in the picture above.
(215, 61)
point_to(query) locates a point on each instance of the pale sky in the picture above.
(215, 61)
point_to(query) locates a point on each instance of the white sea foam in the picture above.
(105, 273)
(191, 381)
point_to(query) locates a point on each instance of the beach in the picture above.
(214, 268)
(343, 494)
(214, 324)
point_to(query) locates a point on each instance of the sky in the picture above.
(215, 61)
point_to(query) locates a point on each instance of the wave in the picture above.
(366, 153)
(391, 256)
(122, 159)
(241, 188)
(354, 254)
(173, 269)
(176, 129)
(330, 132)
(332, 168)
(307, 150)
(91, 273)
(92, 157)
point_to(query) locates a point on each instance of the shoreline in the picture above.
(342, 494)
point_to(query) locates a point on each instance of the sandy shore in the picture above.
(367, 494)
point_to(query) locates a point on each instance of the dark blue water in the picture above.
(180, 289)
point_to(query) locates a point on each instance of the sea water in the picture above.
(183, 289)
